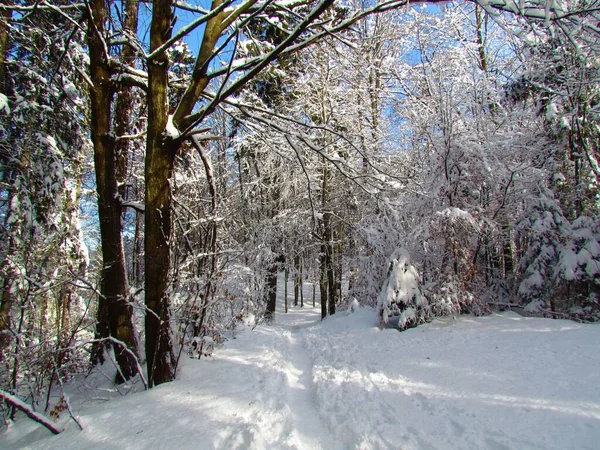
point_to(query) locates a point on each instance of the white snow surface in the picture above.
(497, 382)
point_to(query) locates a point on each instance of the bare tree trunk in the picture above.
(325, 257)
(323, 282)
(286, 297)
(338, 263)
(160, 160)
(296, 277)
(285, 287)
(331, 285)
(6, 300)
(114, 313)
(5, 18)
(5, 319)
(301, 283)
(272, 292)
(121, 312)
(137, 257)
(113, 280)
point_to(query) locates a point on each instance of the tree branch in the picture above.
(29, 412)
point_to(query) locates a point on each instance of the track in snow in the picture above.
(498, 382)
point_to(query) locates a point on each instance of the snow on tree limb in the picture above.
(29, 412)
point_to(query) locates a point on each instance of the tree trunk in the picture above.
(338, 263)
(114, 312)
(325, 257)
(6, 301)
(5, 18)
(301, 283)
(120, 312)
(286, 298)
(271, 292)
(285, 288)
(138, 253)
(323, 281)
(160, 159)
(296, 277)
(331, 285)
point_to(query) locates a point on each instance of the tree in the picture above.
(42, 165)
(115, 316)
(166, 133)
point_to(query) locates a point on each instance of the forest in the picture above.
(164, 163)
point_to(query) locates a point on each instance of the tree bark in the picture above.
(160, 159)
(114, 315)
(6, 301)
(272, 292)
(329, 264)
(323, 281)
(328, 297)
(285, 288)
(5, 18)
(301, 282)
(120, 312)
(296, 278)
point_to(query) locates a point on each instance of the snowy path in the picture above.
(498, 382)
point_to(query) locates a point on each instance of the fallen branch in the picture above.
(19, 404)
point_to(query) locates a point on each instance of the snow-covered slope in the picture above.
(498, 382)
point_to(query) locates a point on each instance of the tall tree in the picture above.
(115, 316)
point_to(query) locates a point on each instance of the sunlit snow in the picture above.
(497, 382)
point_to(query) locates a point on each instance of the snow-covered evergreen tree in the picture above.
(401, 294)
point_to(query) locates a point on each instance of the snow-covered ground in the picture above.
(497, 382)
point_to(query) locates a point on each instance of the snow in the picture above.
(4, 107)
(401, 291)
(551, 112)
(495, 382)
(171, 130)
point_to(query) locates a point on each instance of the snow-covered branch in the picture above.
(17, 403)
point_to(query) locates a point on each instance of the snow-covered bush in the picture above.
(401, 294)
(451, 276)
